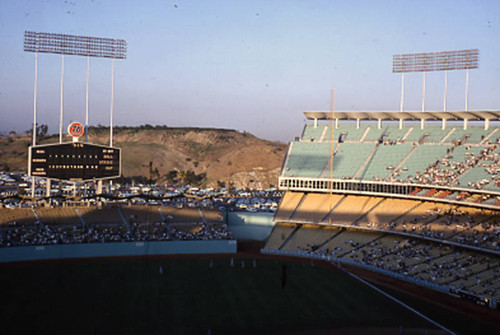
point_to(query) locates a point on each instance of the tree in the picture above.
(41, 130)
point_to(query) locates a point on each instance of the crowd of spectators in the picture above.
(447, 224)
(447, 171)
(12, 235)
(422, 260)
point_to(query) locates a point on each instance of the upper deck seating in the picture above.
(307, 159)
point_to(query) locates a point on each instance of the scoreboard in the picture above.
(74, 161)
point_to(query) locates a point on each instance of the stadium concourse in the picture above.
(412, 195)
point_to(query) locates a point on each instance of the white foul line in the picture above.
(401, 303)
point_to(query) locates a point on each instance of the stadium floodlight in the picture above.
(436, 61)
(64, 44)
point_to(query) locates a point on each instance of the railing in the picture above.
(380, 188)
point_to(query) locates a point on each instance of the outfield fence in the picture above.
(116, 249)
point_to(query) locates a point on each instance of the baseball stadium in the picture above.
(387, 223)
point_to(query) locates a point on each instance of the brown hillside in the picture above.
(220, 153)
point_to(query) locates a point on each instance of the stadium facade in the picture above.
(413, 195)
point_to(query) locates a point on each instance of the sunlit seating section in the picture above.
(348, 158)
(386, 158)
(374, 134)
(313, 133)
(393, 133)
(281, 232)
(287, 206)
(309, 238)
(307, 159)
(20, 216)
(473, 134)
(141, 214)
(421, 158)
(387, 211)
(58, 216)
(351, 208)
(315, 207)
(212, 214)
(98, 216)
(416, 219)
(352, 134)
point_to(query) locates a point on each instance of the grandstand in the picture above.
(101, 224)
(412, 195)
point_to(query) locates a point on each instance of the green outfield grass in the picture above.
(133, 297)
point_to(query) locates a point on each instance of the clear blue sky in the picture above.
(245, 65)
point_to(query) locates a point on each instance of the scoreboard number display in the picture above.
(74, 161)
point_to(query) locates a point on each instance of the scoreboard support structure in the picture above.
(74, 45)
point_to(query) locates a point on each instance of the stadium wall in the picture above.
(250, 226)
(119, 249)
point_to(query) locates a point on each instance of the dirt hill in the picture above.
(219, 153)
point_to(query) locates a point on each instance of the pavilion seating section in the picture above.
(58, 216)
(100, 216)
(21, 216)
(142, 214)
(176, 215)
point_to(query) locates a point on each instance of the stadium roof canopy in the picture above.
(490, 115)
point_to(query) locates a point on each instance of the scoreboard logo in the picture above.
(76, 129)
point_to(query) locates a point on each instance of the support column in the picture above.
(357, 123)
(467, 90)
(423, 93)
(99, 187)
(47, 188)
(336, 123)
(315, 123)
(443, 124)
(62, 102)
(422, 123)
(400, 123)
(445, 89)
(379, 125)
(87, 101)
(486, 124)
(466, 124)
(402, 91)
(112, 103)
(34, 118)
